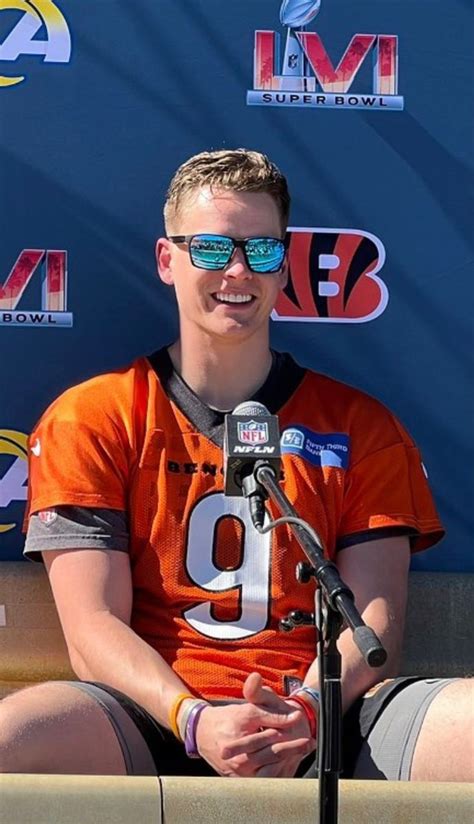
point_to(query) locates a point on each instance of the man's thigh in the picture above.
(164, 754)
(59, 727)
(445, 747)
(395, 726)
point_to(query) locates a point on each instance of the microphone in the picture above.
(251, 436)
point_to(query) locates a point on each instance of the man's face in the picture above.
(204, 296)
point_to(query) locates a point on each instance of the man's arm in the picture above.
(93, 593)
(377, 573)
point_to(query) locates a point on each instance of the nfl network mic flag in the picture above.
(249, 438)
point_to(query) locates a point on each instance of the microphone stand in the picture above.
(334, 606)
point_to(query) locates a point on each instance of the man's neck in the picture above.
(222, 376)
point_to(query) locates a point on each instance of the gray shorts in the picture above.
(387, 751)
(379, 735)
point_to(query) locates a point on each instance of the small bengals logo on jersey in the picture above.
(47, 516)
(333, 277)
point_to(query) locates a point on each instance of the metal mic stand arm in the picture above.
(338, 595)
(339, 606)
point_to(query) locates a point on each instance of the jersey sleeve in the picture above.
(386, 489)
(80, 451)
(75, 527)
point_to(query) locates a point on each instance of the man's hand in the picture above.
(264, 737)
(291, 752)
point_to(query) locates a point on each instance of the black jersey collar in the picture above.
(283, 379)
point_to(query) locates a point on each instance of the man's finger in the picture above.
(246, 757)
(300, 746)
(281, 719)
(252, 743)
(253, 688)
(255, 692)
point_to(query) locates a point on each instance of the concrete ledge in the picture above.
(79, 799)
(45, 799)
(294, 801)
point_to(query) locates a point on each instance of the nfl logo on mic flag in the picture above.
(252, 432)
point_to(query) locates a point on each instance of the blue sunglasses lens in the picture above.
(264, 254)
(211, 251)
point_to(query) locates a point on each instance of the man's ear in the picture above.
(163, 260)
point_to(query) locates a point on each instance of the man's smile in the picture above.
(233, 297)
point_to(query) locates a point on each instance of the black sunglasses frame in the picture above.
(237, 244)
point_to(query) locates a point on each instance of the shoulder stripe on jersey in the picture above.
(374, 535)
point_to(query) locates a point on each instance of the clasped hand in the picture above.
(267, 736)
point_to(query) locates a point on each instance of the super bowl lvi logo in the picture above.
(48, 267)
(306, 76)
(333, 277)
(24, 37)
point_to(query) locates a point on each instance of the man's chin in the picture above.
(234, 329)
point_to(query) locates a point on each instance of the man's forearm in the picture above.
(356, 676)
(376, 572)
(105, 649)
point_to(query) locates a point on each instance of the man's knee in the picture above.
(444, 750)
(56, 728)
(11, 728)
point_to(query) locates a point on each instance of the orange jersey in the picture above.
(209, 590)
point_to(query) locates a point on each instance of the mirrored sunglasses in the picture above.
(263, 255)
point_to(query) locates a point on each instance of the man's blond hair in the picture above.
(238, 170)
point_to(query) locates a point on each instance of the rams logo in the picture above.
(333, 277)
(14, 446)
(36, 17)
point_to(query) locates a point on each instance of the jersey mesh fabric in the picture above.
(209, 591)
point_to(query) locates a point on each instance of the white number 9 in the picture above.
(252, 577)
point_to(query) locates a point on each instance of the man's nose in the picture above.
(237, 266)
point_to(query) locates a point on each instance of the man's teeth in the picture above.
(228, 298)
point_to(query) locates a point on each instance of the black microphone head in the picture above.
(251, 408)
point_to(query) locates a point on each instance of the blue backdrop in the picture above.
(115, 96)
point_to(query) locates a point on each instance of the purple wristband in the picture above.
(191, 727)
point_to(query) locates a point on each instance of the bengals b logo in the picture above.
(333, 277)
